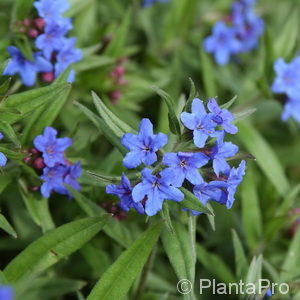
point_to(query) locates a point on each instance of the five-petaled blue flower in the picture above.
(154, 189)
(3, 158)
(143, 146)
(287, 78)
(50, 10)
(219, 152)
(200, 122)
(222, 117)
(56, 177)
(185, 165)
(124, 192)
(222, 191)
(26, 68)
(6, 292)
(53, 37)
(66, 56)
(52, 148)
(223, 42)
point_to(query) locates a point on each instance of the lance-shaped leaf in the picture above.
(117, 280)
(180, 252)
(173, 120)
(266, 157)
(21, 9)
(12, 154)
(113, 228)
(29, 101)
(241, 263)
(190, 201)
(45, 115)
(103, 128)
(4, 224)
(9, 133)
(52, 247)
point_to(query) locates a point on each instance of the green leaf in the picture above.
(254, 271)
(266, 157)
(12, 154)
(287, 39)
(241, 263)
(117, 280)
(9, 133)
(111, 120)
(21, 9)
(208, 77)
(215, 265)
(93, 61)
(4, 224)
(228, 104)
(102, 127)
(38, 208)
(288, 201)
(113, 228)
(5, 86)
(179, 250)
(173, 120)
(290, 266)
(192, 95)
(27, 102)
(165, 214)
(52, 247)
(190, 201)
(239, 116)
(45, 115)
(251, 209)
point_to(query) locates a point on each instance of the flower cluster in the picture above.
(3, 158)
(173, 170)
(287, 82)
(239, 35)
(6, 292)
(48, 157)
(56, 52)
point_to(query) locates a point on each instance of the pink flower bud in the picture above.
(39, 23)
(32, 33)
(39, 163)
(48, 76)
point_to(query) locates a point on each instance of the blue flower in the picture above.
(223, 42)
(150, 2)
(123, 191)
(143, 146)
(56, 177)
(220, 152)
(154, 189)
(291, 109)
(52, 148)
(53, 37)
(287, 78)
(67, 55)
(27, 69)
(6, 292)
(200, 122)
(50, 10)
(222, 117)
(222, 191)
(185, 166)
(268, 294)
(3, 158)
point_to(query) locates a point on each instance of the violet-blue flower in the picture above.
(223, 43)
(222, 117)
(154, 189)
(185, 165)
(223, 191)
(52, 147)
(287, 78)
(219, 152)
(53, 37)
(291, 109)
(67, 55)
(26, 68)
(200, 122)
(150, 2)
(50, 10)
(124, 192)
(143, 146)
(6, 292)
(3, 158)
(57, 177)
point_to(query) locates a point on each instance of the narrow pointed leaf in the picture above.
(4, 224)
